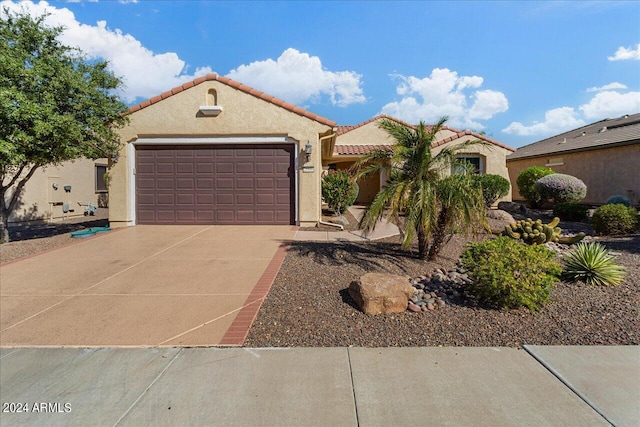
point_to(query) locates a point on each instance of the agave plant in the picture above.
(591, 263)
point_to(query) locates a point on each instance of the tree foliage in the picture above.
(432, 204)
(55, 105)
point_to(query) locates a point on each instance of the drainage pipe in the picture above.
(331, 224)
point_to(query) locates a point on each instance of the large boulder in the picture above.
(498, 220)
(380, 293)
(512, 207)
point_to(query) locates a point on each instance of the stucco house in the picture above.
(63, 191)
(354, 141)
(214, 151)
(605, 155)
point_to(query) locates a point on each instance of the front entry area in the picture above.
(215, 184)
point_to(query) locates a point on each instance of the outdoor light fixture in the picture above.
(308, 149)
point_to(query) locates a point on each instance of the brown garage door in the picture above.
(248, 184)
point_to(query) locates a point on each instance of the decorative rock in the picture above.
(412, 307)
(430, 306)
(441, 303)
(430, 300)
(512, 207)
(379, 293)
(500, 215)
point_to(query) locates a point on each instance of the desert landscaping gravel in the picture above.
(309, 305)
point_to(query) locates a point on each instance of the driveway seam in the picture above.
(353, 387)
(104, 280)
(149, 386)
(567, 384)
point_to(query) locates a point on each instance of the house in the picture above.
(214, 151)
(605, 155)
(63, 191)
(354, 141)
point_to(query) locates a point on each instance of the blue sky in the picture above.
(520, 71)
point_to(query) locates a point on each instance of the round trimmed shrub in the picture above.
(493, 187)
(567, 211)
(509, 274)
(526, 181)
(618, 200)
(561, 188)
(339, 190)
(614, 219)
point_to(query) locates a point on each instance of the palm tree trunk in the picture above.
(439, 234)
(422, 244)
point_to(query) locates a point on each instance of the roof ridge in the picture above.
(342, 129)
(461, 133)
(236, 85)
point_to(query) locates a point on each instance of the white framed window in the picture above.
(476, 161)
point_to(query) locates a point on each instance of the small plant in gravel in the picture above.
(526, 180)
(614, 219)
(493, 187)
(618, 199)
(591, 263)
(508, 274)
(339, 190)
(567, 211)
(561, 188)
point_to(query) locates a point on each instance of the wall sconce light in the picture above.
(308, 149)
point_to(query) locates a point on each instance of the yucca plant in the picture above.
(591, 263)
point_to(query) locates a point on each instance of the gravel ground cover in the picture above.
(29, 239)
(309, 304)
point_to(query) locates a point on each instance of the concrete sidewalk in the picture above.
(560, 386)
(382, 230)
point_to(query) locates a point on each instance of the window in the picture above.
(557, 161)
(101, 184)
(477, 162)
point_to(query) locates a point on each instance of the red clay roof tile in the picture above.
(357, 150)
(237, 85)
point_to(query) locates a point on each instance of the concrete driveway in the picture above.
(143, 286)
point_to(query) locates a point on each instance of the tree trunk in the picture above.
(422, 244)
(4, 229)
(439, 234)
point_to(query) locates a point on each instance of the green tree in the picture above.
(420, 189)
(55, 105)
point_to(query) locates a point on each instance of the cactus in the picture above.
(536, 233)
(571, 240)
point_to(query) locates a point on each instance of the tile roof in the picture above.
(609, 132)
(458, 133)
(236, 85)
(357, 150)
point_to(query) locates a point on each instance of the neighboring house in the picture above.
(214, 151)
(605, 155)
(354, 141)
(44, 196)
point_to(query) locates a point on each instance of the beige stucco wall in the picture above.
(606, 172)
(494, 157)
(243, 115)
(368, 186)
(38, 192)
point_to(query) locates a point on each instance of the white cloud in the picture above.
(610, 86)
(611, 104)
(624, 53)
(297, 77)
(556, 121)
(446, 93)
(145, 73)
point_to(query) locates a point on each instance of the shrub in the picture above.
(618, 200)
(339, 190)
(508, 274)
(526, 180)
(614, 219)
(493, 187)
(591, 263)
(567, 211)
(561, 188)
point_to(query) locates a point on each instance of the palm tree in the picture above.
(420, 189)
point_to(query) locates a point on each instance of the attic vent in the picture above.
(564, 141)
(584, 133)
(604, 129)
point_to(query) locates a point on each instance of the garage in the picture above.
(215, 184)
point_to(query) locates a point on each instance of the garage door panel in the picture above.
(247, 184)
